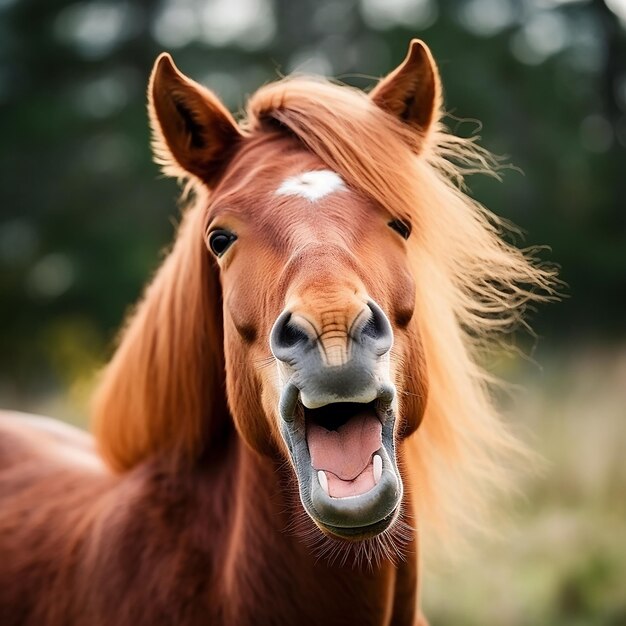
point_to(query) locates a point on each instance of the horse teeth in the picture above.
(321, 476)
(378, 468)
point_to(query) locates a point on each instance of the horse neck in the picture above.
(271, 550)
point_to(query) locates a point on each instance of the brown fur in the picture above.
(195, 518)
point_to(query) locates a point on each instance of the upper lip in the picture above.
(290, 401)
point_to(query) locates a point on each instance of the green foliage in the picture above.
(83, 214)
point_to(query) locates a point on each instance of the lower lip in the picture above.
(360, 532)
(355, 514)
(355, 517)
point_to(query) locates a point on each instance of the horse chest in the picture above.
(332, 600)
(292, 586)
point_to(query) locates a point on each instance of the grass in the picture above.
(561, 560)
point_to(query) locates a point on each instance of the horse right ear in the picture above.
(193, 133)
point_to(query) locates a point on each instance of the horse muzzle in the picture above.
(338, 421)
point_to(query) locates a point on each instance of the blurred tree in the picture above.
(82, 216)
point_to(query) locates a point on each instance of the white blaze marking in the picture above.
(311, 185)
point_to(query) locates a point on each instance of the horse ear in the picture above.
(412, 92)
(192, 131)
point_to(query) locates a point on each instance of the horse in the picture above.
(300, 388)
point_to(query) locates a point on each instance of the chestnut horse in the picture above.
(299, 388)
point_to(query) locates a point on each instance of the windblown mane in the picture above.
(164, 387)
(470, 285)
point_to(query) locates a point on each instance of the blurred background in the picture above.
(84, 215)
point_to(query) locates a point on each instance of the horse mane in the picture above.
(471, 285)
(160, 389)
(164, 387)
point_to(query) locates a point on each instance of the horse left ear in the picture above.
(193, 132)
(412, 92)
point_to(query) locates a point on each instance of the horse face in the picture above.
(323, 357)
(318, 302)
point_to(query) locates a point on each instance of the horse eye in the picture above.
(404, 230)
(220, 241)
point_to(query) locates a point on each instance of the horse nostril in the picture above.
(290, 335)
(377, 330)
(370, 329)
(285, 336)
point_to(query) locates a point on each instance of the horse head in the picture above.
(317, 294)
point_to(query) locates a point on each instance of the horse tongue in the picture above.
(347, 451)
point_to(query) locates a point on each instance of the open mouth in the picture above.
(344, 457)
(344, 440)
